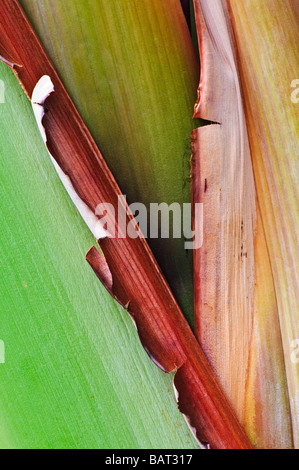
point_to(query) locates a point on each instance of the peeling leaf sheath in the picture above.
(43, 89)
(136, 277)
(232, 312)
(272, 120)
(223, 181)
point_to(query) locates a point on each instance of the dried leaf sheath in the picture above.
(223, 182)
(136, 277)
(267, 35)
(231, 313)
(267, 416)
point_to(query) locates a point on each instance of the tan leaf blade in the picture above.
(232, 315)
(267, 35)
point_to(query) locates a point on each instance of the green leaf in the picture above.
(75, 375)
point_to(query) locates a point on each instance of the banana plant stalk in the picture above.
(245, 310)
(267, 37)
(137, 282)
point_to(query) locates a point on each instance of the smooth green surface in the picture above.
(130, 68)
(75, 374)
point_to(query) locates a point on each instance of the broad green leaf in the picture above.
(75, 375)
(131, 70)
